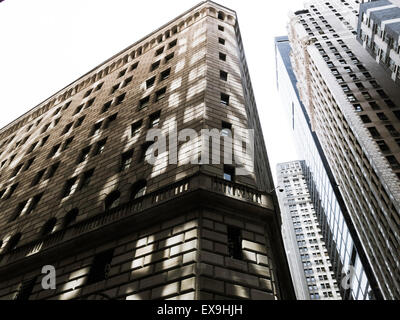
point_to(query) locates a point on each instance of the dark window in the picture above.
(87, 94)
(96, 128)
(121, 73)
(34, 202)
(100, 146)
(78, 109)
(38, 176)
(112, 200)
(79, 122)
(365, 118)
(109, 121)
(154, 119)
(225, 99)
(382, 93)
(221, 41)
(169, 57)
(172, 44)
(374, 132)
(32, 147)
(235, 243)
(84, 154)
(165, 74)
(89, 103)
(44, 140)
(135, 128)
(29, 163)
(126, 160)
(48, 227)
(56, 121)
(86, 178)
(67, 128)
(374, 105)
(126, 82)
(357, 107)
(155, 65)
(68, 187)
(25, 290)
(120, 99)
(67, 143)
(18, 211)
(144, 102)
(54, 151)
(150, 82)
(390, 103)
(382, 116)
(146, 150)
(45, 127)
(221, 28)
(226, 129)
(53, 170)
(133, 66)
(106, 106)
(383, 146)
(101, 266)
(70, 217)
(397, 114)
(229, 173)
(17, 170)
(138, 189)
(12, 189)
(160, 94)
(223, 75)
(159, 51)
(99, 86)
(222, 56)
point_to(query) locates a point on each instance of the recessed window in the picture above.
(87, 94)
(226, 129)
(114, 88)
(34, 202)
(222, 56)
(135, 128)
(67, 143)
(67, 128)
(146, 151)
(96, 128)
(159, 51)
(382, 116)
(172, 44)
(221, 41)
(234, 243)
(100, 146)
(79, 122)
(121, 73)
(86, 179)
(29, 163)
(365, 118)
(126, 160)
(25, 290)
(78, 109)
(101, 265)
(45, 127)
(84, 154)
(38, 177)
(13, 242)
(112, 200)
(68, 188)
(150, 82)
(120, 99)
(133, 66)
(106, 106)
(99, 86)
(165, 74)
(48, 227)
(110, 120)
(229, 173)
(221, 28)
(54, 150)
(70, 217)
(357, 107)
(11, 192)
(169, 57)
(17, 170)
(225, 99)
(223, 75)
(155, 65)
(126, 82)
(160, 94)
(374, 105)
(374, 132)
(154, 119)
(138, 189)
(144, 102)
(53, 170)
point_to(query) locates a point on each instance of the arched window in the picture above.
(112, 200)
(48, 227)
(70, 217)
(221, 15)
(12, 243)
(138, 189)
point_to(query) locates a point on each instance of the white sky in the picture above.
(47, 44)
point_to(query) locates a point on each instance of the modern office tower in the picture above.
(342, 243)
(379, 32)
(353, 106)
(120, 217)
(308, 257)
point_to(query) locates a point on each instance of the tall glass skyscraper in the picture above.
(348, 260)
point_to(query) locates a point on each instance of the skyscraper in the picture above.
(353, 107)
(308, 257)
(92, 195)
(348, 260)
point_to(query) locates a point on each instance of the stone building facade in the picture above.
(77, 191)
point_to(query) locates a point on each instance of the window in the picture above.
(133, 66)
(101, 265)
(67, 143)
(160, 94)
(25, 289)
(144, 102)
(226, 129)
(34, 202)
(120, 99)
(374, 105)
(17, 170)
(86, 179)
(221, 28)
(135, 128)
(13, 242)
(235, 243)
(54, 150)
(159, 51)
(84, 154)
(52, 170)
(37, 178)
(67, 128)
(221, 41)
(172, 44)
(165, 74)
(110, 120)
(374, 132)
(147, 151)
(78, 109)
(225, 99)
(121, 73)
(382, 116)
(12, 189)
(70, 217)
(87, 94)
(126, 160)
(106, 106)
(155, 65)
(357, 107)
(223, 75)
(32, 147)
(29, 163)
(114, 88)
(154, 119)
(126, 82)
(229, 173)
(112, 200)
(169, 57)
(79, 122)
(100, 147)
(222, 56)
(138, 189)
(68, 188)
(96, 128)
(99, 86)
(390, 103)
(48, 227)
(382, 94)
(150, 82)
